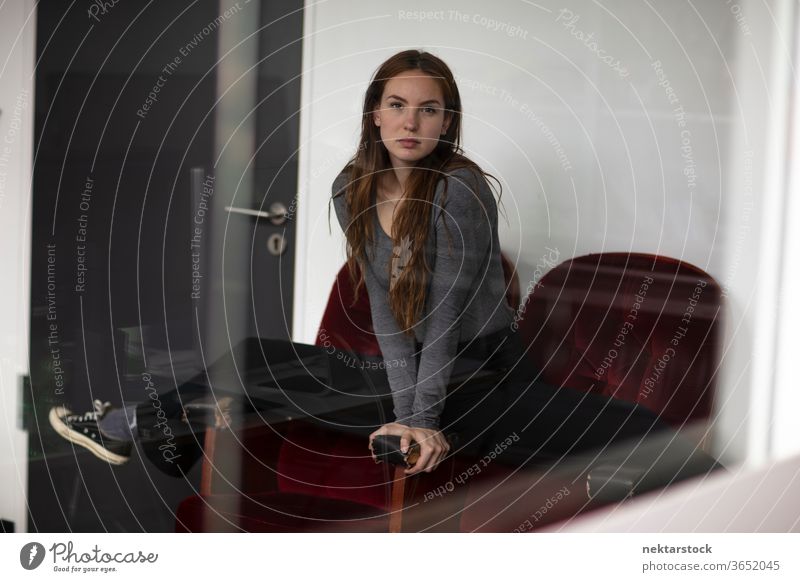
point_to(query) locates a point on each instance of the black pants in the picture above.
(542, 421)
(505, 402)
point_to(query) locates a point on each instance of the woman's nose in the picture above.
(411, 118)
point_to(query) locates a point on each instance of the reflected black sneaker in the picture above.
(82, 429)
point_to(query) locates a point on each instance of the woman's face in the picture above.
(411, 117)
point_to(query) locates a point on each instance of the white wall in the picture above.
(785, 438)
(758, 384)
(17, 55)
(626, 154)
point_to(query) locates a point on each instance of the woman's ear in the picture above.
(376, 117)
(448, 118)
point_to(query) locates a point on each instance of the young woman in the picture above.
(420, 222)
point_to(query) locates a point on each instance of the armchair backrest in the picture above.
(638, 327)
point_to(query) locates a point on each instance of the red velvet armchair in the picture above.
(638, 327)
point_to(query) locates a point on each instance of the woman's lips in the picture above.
(408, 143)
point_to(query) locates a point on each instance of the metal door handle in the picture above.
(277, 212)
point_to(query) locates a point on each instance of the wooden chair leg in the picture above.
(207, 469)
(398, 500)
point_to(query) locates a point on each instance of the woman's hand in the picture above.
(433, 446)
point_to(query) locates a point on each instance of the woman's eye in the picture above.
(429, 110)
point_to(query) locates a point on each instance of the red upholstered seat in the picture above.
(638, 327)
(322, 463)
(320, 480)
(305, 478)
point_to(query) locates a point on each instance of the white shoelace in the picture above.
(100, 409)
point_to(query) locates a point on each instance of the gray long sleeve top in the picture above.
(465, 294)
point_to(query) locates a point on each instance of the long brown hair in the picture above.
(411, 222)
